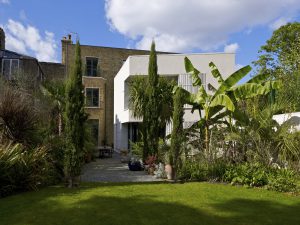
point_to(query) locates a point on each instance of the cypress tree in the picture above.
(177, 135)
(152, 110)
(75, 120)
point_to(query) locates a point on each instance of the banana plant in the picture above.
(222, 102)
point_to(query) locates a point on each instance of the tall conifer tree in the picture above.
(152, 111)
(75, 120)
(177, 135)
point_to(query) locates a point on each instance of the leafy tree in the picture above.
(222, 103)
(152, 110)
(75, 121)
(177, 136)
(280, 58)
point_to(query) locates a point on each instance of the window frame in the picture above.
(85, 95)
(86, 69)
(9, 77)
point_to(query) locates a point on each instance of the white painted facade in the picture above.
(168, 65)
(293, 120)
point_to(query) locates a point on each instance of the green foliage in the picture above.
(75, 120)
(222, 103)
(282, 180)
(18, 118)
(280, 58)
(177, 136)
(152, 109)
(23, 169)
(54, 91)
(252, 175)
(247, 174)
(141, 106)
(137, 149)
(202, 170)
(258, 175)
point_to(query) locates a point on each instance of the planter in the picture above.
(151, 170)
(169, 171)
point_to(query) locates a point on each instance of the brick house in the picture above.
(100, 66)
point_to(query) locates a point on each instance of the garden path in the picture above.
(112, 170)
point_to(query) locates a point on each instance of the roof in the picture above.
(14, 55)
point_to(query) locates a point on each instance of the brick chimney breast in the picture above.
(2, 39)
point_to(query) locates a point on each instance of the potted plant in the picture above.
(151, 162)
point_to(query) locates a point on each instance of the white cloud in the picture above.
(183, 25)
(231, 48)
(5, 1)
(27, 40)
(279, 22)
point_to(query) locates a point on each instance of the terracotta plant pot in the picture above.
(169, 171)
(151, 170)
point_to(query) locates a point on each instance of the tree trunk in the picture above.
(59, 124)
(207, 140)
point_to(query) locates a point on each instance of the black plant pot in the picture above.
(135, 166)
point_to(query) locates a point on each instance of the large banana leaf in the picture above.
(249, 90)
(240, 116)
(214, 110)
(232, 80)
(221, 115)
(201, 96)
(259, 78)
(223, 100)
(189, 68)
(216, 73)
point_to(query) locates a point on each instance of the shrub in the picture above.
(18, 120)
(252, 175)
(202, 170)
(257, 175)
(282, 180)
(23, 169)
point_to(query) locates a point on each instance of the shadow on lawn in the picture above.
(144, 209)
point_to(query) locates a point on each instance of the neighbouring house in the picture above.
(13, 64)
(100, 66)
(126, 127)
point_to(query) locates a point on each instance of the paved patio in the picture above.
(112, 170)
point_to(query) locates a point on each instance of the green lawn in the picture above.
(121, 204)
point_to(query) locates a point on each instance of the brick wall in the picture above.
(53, 71)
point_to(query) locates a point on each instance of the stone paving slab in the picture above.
(112, 170)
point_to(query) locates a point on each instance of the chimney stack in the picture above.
(2, 39)
(65, 42)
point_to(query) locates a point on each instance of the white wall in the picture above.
(168, 65)
(293, 118)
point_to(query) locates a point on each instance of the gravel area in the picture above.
(112, 170)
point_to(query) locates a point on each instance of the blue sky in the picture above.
(36, 27)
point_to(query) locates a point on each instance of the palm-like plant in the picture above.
(55, 91)
(222, 103)
(138, 100)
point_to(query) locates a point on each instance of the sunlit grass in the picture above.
(190, 203)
